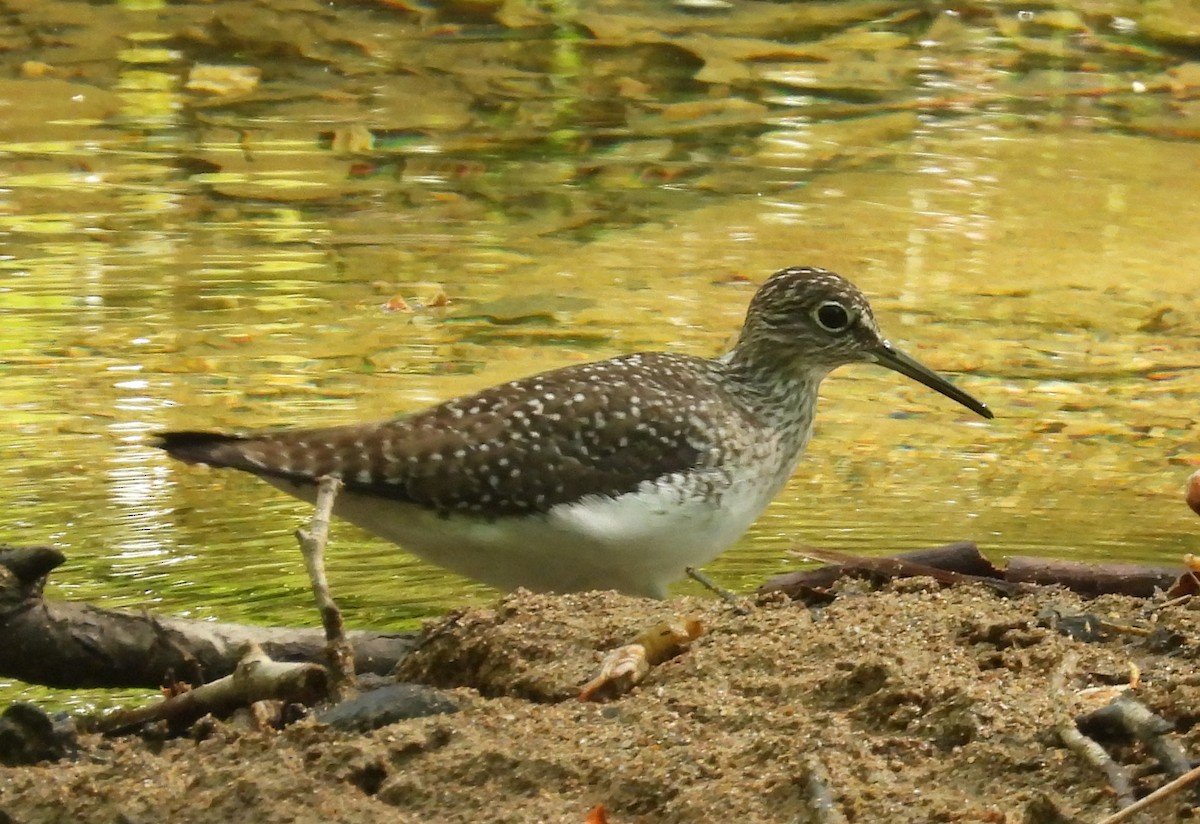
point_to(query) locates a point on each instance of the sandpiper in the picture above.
(617, 474)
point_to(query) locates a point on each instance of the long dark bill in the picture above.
(891, 357)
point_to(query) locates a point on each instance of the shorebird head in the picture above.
(815, 320)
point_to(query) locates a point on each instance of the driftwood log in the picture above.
(74, 645)
(962, 562)
(256, 679)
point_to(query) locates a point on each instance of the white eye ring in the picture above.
(833, 316)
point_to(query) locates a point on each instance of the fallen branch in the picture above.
(901, 567)
(73, 645)
(1090, 580)
(256, 678)
(961, 563)
(963, 557)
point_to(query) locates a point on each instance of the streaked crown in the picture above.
(812, 315)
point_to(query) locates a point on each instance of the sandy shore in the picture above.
(919, 703)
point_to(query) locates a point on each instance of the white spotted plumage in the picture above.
(616, 474)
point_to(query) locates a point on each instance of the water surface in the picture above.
(1012, 191)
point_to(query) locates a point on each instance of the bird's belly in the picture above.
(636, 543)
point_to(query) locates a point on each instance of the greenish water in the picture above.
(1013, 193)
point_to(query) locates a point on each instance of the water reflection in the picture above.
(175, 258)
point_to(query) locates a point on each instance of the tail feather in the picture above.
(210, 448)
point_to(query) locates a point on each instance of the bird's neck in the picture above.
(780, 388)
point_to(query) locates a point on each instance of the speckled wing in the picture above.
(521, 447)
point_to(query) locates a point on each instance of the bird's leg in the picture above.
(312, 545)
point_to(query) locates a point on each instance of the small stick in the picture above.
(1162, 792)
(1152, 730)
(312, 544)
(1096, 756)
(1173, 602)
(1086, 748)
(736, 601)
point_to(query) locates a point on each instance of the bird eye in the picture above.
(832, 316)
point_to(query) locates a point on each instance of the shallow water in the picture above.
(177, 259)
